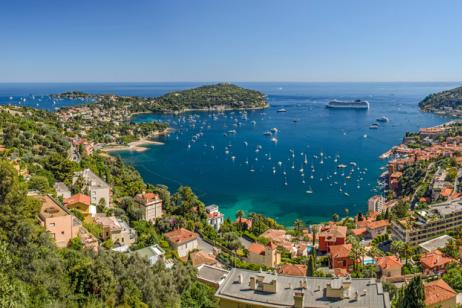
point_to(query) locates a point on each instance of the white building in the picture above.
(214, 217)
(375, 203)
(152, 253)
(97, 188)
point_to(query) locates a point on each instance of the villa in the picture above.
(116, 229)
(331, 235)
(214, 217)
(264, 254)
(150, 205)
(438, 294)
(99, 190)
(182, 240)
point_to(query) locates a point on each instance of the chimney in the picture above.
(240, 279)
(298, 299)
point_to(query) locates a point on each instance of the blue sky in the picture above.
(239, 40)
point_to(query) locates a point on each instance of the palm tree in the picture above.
(374, 252)
(239, 215)
(407, 251)
(298, 224)
(357, 252)
(397, 247)
(314, 228)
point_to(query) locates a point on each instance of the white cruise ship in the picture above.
(357, 104)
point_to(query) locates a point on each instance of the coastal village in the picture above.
(410, 234)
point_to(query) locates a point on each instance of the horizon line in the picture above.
(239, 81)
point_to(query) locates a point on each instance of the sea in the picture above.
(294, 160)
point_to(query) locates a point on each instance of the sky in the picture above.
(238, 40)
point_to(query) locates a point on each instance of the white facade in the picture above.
(98, 189)
(185, 248)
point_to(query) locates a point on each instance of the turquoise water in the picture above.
(241, 170)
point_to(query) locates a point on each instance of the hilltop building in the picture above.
(98, 189)
(214, 217)
(183, 241)
(150, 205)
(264, 254)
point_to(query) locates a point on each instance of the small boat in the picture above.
(309, 191)
(232, 132)
(274, 140)
(383, 119)
(341, 166)
(274, 130)
(374, 126)
(282, 110)
(267, 133)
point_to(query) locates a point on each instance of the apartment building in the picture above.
(98, 189)
(150, 205)
(244, 288)
(426, 224)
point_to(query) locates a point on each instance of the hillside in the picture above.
(445, 102)
(218, 96)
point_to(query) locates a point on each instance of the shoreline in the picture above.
(138, 145)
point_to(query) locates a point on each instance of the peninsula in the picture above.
(445, 103)
(108, 119)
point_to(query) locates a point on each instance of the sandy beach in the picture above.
(137, 146)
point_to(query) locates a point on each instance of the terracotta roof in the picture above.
(180, 236)
(434, 258)
(340, 251)
(245, 221)
(257, 248)
(340, 272)
(438, 291)
(147, 197)
(275, 234)
(396, 175)
(201, 257)
(78, 198)
(292, 269)
(389, 262)
(359, 231)
(446, 192)
(333, 231)
(378, 224)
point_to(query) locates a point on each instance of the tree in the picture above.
(39, 183)
(311, 268)
(411, 296)
(357, 253)
(451, 249)
(298, 224)
(314, 228)
(453, 277)
(397, 247)
(239, 215)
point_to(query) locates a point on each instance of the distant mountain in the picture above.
(448, 102)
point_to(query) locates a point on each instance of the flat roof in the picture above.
(436, 243)
(236, 288)
(211, 273)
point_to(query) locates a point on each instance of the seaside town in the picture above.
(72, 202)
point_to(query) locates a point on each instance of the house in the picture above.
(116, 229)
(81, 203)
(339, 256)
(246, 223)
(436, 243)
(292, 269)
(435, 262)
(201, 257)
(57, 221)
(99, 190)
(377, 227)
(150, 205)
(331, 235)
(264, 254)
(62, 190)
(152, 254)
(439, 294)
(214, 217)
(389, 266)
(244, 288)
(182, 240)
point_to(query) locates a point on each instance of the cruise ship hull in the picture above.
(362, 105)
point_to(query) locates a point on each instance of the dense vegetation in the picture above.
(437, 101)
(209, 97)
(222, 95)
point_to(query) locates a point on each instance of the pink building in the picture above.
(57, 221)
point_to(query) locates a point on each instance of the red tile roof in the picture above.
(389, 262)
(292, 269)
(359, 231)
(257, 248)
(332, 232)
(147, 197)
(378, 224)
(78, 198)
(438, 291)
(340, 251)
(434, 259)
(245, 221)
(180, 236)
(201, 257)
